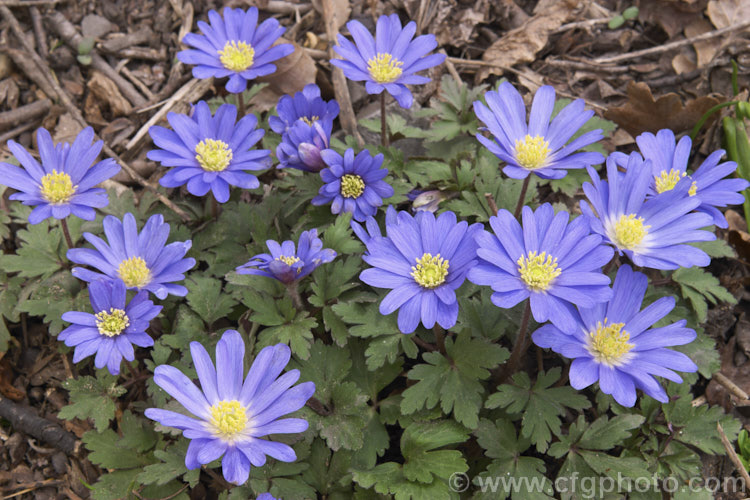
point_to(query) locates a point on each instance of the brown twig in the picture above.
(26, 420)
(451, 67)
(27, 113)
(730, 386)
(732, 454)
(29, 3)
(673, 45)
(39, 34)
(15, 132)
(57, 92)
(346, 116)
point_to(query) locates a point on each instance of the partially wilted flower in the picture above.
(302, 144)
(306, 106)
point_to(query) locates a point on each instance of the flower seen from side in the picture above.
(302, 144)
(63, 183)
(306, 107)
(286, 264)
(423, 259)
(230, 418)
(652, 232)
(210, 152)
(614, 343)
(353, 184)
(113, 329)
(142, 260)
(540, 147)
(390, 60)
(709, 183)
(235, 46)
(554, 262)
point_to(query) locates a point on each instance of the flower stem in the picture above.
(519, 348)
(240, 105)
(524, 188)
(66, 233)
(439, 338)
(214, 207)
(295, 296)
(383, 126)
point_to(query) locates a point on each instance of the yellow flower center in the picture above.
(310, 120)
(538, 270)
(630, 231)
(693, 188)
(213, 155)
(430, 272)
(666, 181)
(532, 152)
(112, 323)
(352, 186)
(57, 187)
(134, 272)
(608, 344)
(228, 418)
(288, 260)
(384, 68)
(237, 56)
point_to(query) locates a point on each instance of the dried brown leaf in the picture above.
(523, 43)
(725, 13)
(671, 15)
(643, 113)
(341, 11)
(292, 74)
(683, 62)
(706, 49)
(105, 90)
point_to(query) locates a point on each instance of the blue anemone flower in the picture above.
(287, 265)
(651, 232)
(613, 343)
(353, 184)
(232, 417)
(235, 46)
(64, 182)
(302, 144)
(389, 61)
(113, 329)
(140, 260)
(306, 106)
(539, 147)
(210, 152)
(552, 262)
(669, 161)
(423, 260)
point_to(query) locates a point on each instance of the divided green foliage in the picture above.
(92, 398)
(541, 404)
(701, 288)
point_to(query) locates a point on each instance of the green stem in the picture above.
(707, 115)
(524, 188)
(240, 105)
(383, 125)
(293, 290)
(519, 348)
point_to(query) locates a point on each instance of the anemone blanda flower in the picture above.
(423, 260)
(64, 182)
(301, 145)
(235, 46)
(614, 344)
(539, 147)
(552, 262)
(669, 161)
(232, 417)
(287, 265)
(140, 260)
(266, 496)
(353, 184)
(210, 152)
(306, 106)
(113, 329)
(389, 61)
(651, 232)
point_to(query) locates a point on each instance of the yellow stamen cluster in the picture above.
(538, 270)
(288, 260)
(352, 186)
(213, 155)
(237, 56)
(430, 272)
(608, 344)
(228, 419)
(629, 231)
(310, 120)
(666, 181)
(57, 187)
(134, 272)
(112, 323)
(384, 68)
(693, 189)
(532, 152)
